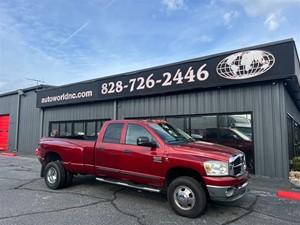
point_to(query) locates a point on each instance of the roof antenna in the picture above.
(36, 80)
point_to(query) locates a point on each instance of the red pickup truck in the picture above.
(153, 156)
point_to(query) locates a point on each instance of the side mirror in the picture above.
(144, 141)
(235, 137)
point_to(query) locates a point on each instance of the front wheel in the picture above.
(55, 175)
(186, 197)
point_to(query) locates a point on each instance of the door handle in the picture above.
(101, 148)
(127, 151)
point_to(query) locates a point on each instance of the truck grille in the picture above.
(237, 165)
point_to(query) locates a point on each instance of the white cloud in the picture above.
(173, 5)
(2, 84)
(229, 16)
(205, 38)
(259, 7)
(273, 21)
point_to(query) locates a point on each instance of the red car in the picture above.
(232, 138)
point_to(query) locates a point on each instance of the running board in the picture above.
(140, 187)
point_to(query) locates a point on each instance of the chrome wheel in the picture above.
(184, 198)
(52, 175)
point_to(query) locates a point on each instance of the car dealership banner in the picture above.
(260, 63)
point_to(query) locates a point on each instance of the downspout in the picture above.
(41, 123)
(115, 110)
(20, 93)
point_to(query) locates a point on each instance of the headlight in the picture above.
(216, 168)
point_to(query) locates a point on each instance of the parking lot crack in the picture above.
(51, 211)
(249, 210)
(121, 211)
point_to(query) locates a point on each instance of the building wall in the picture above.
(291, 107)
(29, 120)
(265, 102)
(8, 106)
(29, 125)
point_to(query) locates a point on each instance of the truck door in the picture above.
(139, 163)
(108, 151)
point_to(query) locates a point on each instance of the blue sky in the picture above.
(63, 42)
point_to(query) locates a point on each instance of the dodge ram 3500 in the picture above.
(149, 155)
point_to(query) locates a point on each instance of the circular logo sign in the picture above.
(245, 64)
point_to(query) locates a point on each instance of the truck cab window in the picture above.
(113, 133)
(134, 131)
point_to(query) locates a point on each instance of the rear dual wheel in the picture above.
(56, 176)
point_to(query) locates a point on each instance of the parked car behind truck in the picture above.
(153, 156)
(233, 138)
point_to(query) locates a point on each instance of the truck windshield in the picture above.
(170, 134)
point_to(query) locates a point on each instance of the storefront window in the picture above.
(199, 125)
(65, 129)
(241, 123)
(76, 129)
(54, 131)
(79, 129)
(91, 129)
(180, 122)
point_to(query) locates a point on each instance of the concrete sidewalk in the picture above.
(270, 185)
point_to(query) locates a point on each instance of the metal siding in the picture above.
(8, 105)
(284, 160)
(29, 125)
(266, 102)
(95, 111)
(291, 107)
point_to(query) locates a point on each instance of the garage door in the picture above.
(4, 127)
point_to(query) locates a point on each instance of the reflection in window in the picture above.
(240, 122)
(90, 129)
(79, 129)
(65, 129)
(180, 122)
(54, 130)
(199, 125)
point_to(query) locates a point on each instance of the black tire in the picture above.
(187, 197)
(69, 179)
(55, 175)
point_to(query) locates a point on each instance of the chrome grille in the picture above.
(237, 165)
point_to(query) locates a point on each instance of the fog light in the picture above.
(229, 192)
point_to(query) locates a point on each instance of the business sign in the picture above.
(246, 64)
(251, 65)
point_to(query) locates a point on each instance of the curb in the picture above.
(289, 195)
(8, 154)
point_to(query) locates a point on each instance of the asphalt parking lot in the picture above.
(25, 199)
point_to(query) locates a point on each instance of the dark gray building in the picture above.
(248, 99)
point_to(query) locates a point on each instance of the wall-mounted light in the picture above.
(20, 92)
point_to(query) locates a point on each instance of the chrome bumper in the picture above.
(227, 193)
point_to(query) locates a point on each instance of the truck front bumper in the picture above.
(227, 193)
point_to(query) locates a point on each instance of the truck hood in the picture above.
(207, 150)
